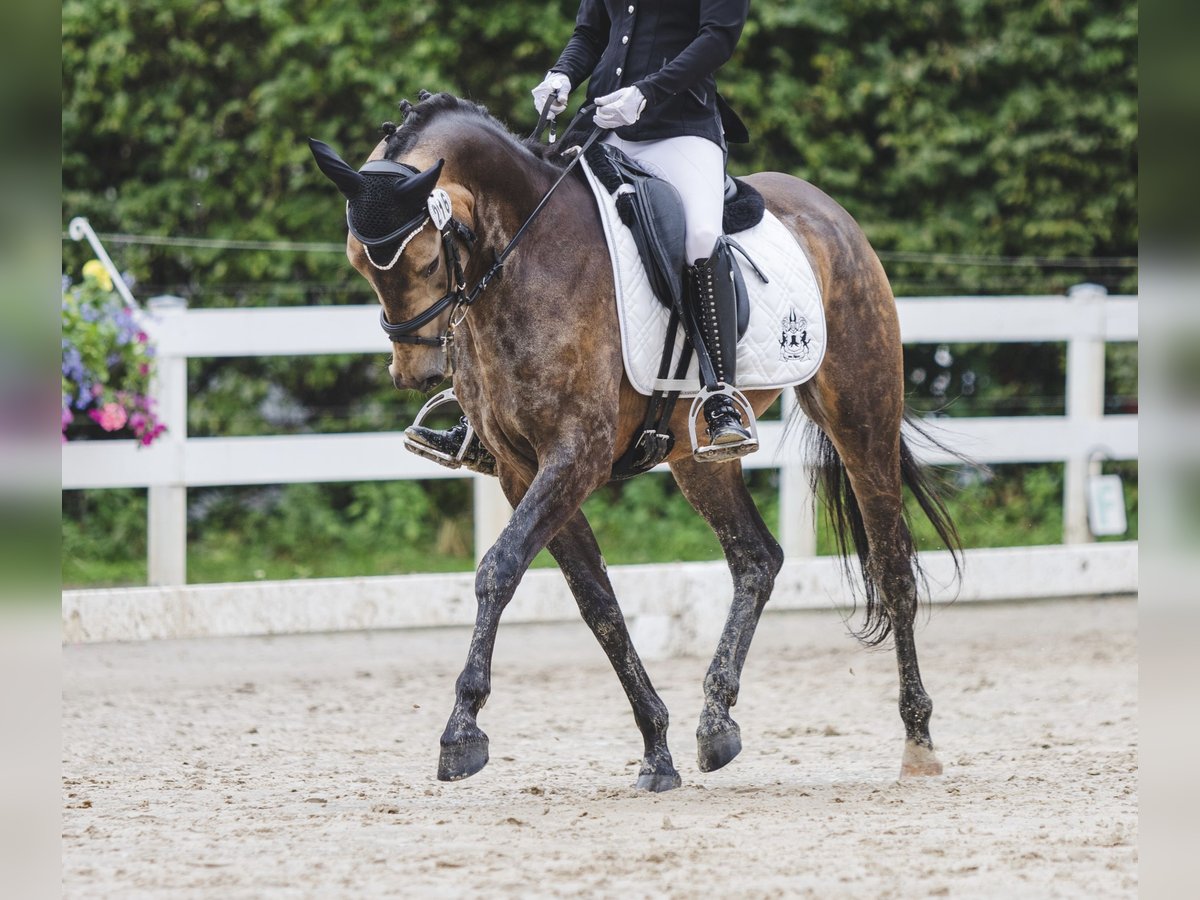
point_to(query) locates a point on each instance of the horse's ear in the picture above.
(336, 169)
(418, 188)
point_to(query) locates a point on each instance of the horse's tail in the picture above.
(831, 483)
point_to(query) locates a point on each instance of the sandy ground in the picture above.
(303, 766)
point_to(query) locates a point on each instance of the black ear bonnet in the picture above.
(386, 201)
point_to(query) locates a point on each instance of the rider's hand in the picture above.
(619, 108)
(555, 81)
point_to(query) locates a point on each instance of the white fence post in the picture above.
(492, 513)
(1085, 403)
(166, 523)
(797, 511)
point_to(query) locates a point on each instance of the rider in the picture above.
(651, 77)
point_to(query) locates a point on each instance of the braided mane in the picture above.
(418, 116)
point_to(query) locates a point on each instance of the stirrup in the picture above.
(427, 452)
(722, 452)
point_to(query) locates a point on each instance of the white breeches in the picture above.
(695, 167)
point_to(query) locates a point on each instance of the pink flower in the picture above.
(144, 369)
(142, 337)
(110, 417)
(149, 436)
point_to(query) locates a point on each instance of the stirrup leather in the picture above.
(427, 452)
(722, 452)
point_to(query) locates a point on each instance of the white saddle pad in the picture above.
(785, 341)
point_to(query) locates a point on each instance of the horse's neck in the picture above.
(506, 185)
(532, 314)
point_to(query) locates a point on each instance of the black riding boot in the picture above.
(445, 447)
(710, 292)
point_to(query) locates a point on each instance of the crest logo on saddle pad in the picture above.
(794, 343)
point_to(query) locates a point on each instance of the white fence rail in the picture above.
(1085, 321)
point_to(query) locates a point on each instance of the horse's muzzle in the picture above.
(422, 384)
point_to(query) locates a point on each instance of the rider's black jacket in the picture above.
(670, 50)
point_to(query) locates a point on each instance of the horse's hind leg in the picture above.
(574, 547)
(718, 493)
(890, 567)
(864, 480)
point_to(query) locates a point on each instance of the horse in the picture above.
(537, 368)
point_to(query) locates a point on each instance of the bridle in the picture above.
(457, 298)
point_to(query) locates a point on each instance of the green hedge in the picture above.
(952, 126)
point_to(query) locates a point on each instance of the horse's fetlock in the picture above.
(916, 708)
(472, 692)
(722, 686)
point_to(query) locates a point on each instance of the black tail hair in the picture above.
(831, 482)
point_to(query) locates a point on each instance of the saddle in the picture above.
(653, 212)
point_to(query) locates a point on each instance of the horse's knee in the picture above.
(497, 574)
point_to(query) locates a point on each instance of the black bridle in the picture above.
(457, 298)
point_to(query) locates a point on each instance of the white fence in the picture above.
(1085, 320)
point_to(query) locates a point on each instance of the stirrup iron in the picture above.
(444, 459)
(722, 452)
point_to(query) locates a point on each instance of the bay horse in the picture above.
(537, 368)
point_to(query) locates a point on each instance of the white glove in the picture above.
(555, 81)
(619, 108)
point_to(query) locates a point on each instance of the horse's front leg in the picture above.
(554, 495)
(575, 550)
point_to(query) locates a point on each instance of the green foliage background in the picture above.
(978, 130)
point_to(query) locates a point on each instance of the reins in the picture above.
(457, 297)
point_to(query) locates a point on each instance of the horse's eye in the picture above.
(432, 267)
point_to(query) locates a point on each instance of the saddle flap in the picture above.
(660, 213)
(653, 211)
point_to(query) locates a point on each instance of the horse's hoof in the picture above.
(718, 748)
(459, 761)
(659, 781)
(919, 761)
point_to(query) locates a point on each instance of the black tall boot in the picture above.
(711, 295)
